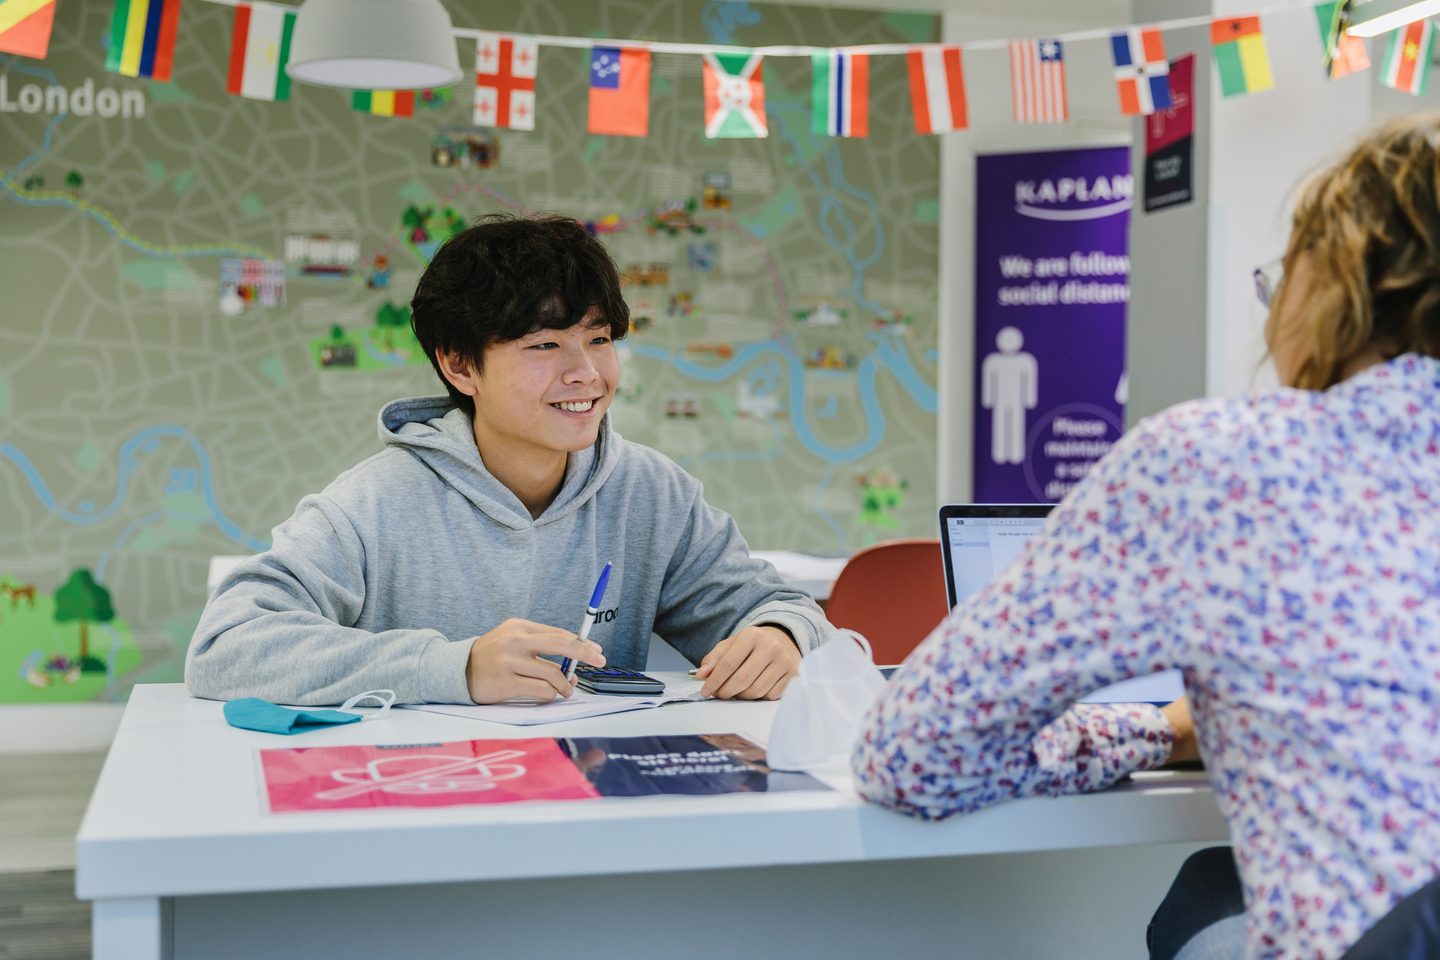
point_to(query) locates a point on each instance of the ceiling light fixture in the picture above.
(374, 45)
(1381, 16)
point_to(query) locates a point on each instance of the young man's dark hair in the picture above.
(505, 277)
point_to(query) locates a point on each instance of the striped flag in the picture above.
(1037, 81)
(1344, 54)
(1407, 59)
(840, 94)
(259, 50)
(1142, 74)
(937, 89)
(25, 27)
(734, 95)
(1241, 56)
(505, 72)
(142, 38)
(384, 103)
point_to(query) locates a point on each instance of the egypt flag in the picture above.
(25, 27)
(142, 38)
(937, 89)
(1407, 58)
(1344, 54)
(840, 94)
(259, 50)
(619, 91)
(1241, 56)
(384, 103)
(505, 69)
(1142, 74)
(734, 95)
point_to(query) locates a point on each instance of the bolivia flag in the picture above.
(259, 50)
(142, 38)
(1240, 55)
(734, 95)
(385, 103)
(1407, 58)
(619, 91)
(840, 94)
(25, 27)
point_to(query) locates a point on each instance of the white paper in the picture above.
(578, 706)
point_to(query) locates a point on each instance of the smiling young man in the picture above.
(450, 566)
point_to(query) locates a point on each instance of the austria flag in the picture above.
(937, 89)
(619, 91)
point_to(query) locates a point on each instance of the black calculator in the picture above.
(616, 680)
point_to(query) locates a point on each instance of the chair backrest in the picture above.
(1410, 931)
(892, 593)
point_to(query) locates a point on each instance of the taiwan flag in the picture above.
(620, 91)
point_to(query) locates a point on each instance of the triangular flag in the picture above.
(840, 94)
(1407, 59)
(734, 95)
(937, 89)
(505, 71)
(1037, 81)
(1344, 54)
(1240, 55)
(25, 27)
(1142, 74)
(384, 103)
(619, 91)
(259, 50)
(142, 38)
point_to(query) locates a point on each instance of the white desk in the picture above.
(180, 861)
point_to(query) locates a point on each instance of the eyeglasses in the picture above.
(1267, 280)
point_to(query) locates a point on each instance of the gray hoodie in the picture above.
(382, 579)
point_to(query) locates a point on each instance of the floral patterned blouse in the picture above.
(1283, 551)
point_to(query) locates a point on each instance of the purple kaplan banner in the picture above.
(1052, 277)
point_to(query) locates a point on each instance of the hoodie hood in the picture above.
(439, 434)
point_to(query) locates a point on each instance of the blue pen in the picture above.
(591, 612)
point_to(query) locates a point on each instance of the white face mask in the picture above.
(385, 698)
(820, 712)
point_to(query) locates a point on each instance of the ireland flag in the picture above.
(259, 50)
(734, 96)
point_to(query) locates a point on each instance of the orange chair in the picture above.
(893, 594)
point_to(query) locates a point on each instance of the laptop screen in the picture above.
(979, 541)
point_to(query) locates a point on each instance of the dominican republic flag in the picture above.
(734, 95)
(505, 70)
(937, 89)
(1037, 81)
(840, 94)
(1142, 74)
(1407, 58)
(259, 50)
(142, 38)
(619, 91)
(25, 27)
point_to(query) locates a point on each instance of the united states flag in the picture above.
(1037, 81)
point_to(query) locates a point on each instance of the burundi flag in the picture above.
(840, 94)
(384, 103)
(259, 50)
(25, 27)
(734, 95)
(1142, 74)
(619, 91)
(1240, 55)
(1407, 59)
(1344, 54)
(142, 38)
(937, 89)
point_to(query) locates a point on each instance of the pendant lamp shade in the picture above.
(373, 45)
(1381, 16)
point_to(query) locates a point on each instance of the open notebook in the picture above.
(579, 705)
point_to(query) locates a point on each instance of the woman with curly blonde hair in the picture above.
(1283, 551)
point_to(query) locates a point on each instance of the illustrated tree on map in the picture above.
(390, 318)
(82, 599)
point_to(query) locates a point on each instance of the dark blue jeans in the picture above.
(1205, 891)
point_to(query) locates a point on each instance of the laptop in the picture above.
(979, 540)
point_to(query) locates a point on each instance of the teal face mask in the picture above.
(252, 713)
